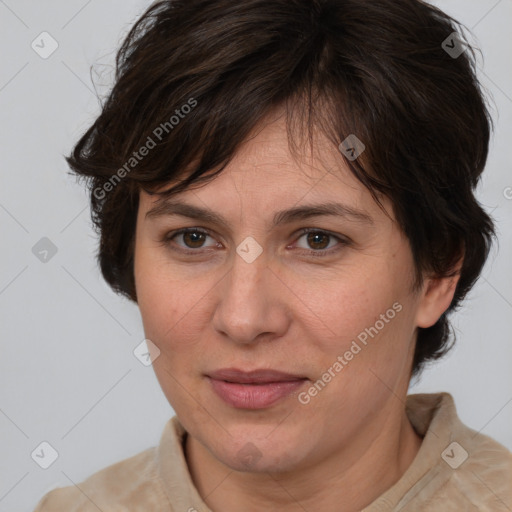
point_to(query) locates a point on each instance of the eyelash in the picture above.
(168, 238)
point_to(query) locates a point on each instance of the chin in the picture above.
(251, 460)
(258, 450)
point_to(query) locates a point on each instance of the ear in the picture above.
(436, 298)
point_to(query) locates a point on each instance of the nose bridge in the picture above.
(248, 269)
(243, 308)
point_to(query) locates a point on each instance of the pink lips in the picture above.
(256, 389)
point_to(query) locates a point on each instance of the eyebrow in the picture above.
(170, 208)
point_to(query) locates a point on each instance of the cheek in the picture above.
(344, 306)
(156, 296)
(358, 371)
(170, 306)
(366, 319)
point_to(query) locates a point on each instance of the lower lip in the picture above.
(254, 396)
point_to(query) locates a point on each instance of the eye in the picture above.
(193, 238)
(320, 241)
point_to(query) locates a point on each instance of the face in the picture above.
(332, 307)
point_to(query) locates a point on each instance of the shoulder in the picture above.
(469, 471)
(474, 476)
(132, 484)
(484, 476)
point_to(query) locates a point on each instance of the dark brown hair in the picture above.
(374, 68)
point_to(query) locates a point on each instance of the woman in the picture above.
(286, 190)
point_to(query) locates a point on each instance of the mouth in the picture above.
(256, 389)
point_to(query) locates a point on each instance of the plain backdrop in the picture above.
(68, 373)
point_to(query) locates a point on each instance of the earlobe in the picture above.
(436, 298)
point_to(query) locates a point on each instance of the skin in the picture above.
(291, 311)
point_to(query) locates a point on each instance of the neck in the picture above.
(349, 480)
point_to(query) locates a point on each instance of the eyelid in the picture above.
(343, 240)
(169, 237)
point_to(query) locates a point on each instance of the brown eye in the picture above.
(318, 240)
(191, 238)
(320, 243)
(194, 239)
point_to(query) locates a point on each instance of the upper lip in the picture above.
(253, 376)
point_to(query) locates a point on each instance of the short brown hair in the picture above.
(374, 68)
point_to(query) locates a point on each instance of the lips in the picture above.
(254, 376)
(256, 389)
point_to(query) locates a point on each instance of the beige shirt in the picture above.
(456, 469)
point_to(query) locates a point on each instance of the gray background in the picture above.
(68, 372)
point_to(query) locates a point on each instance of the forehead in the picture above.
(266, 155)
(265, 175)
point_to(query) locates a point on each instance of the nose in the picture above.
(251, 302)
